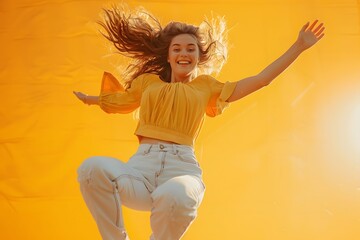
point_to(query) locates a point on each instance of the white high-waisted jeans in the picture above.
(162, 178)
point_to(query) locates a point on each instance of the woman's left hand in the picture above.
(309, 35)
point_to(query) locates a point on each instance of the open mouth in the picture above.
(183, 62)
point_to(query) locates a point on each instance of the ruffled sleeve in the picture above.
(220, 92)
(114, 98)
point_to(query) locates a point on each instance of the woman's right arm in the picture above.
(113, 97)
(89, 100)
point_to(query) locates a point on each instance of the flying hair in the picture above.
(137, 34)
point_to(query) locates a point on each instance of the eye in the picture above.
(191, 49)
(176, 49)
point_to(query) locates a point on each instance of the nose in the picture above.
(183, 53)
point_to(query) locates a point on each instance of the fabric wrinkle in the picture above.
(154, 179)
(177, 109)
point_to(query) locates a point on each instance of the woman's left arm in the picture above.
(308, 36)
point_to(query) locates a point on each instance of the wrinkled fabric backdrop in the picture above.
(281, 164)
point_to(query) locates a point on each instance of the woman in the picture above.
(164, 176)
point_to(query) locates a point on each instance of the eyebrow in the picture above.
(177, 44)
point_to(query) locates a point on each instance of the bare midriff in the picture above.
(147, 140)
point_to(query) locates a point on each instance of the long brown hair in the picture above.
(139, 35)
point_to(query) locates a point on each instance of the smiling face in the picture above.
(183, 58)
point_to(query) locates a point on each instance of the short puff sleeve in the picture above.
(114, 98)
(220, 93)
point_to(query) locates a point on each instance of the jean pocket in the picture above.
(187, 157)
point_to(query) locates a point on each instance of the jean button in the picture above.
(162, 146)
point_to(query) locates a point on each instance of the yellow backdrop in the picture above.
(280, 164)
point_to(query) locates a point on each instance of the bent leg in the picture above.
(175, 206)
(106, 184)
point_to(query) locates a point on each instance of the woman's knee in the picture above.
(89, 164)
(184, 191)
(96, 166)
(177, 201)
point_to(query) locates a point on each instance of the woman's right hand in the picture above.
(81, 96)
(89, 100)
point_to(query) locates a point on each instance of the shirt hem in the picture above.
(164, 134)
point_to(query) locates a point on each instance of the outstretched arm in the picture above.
(89, 100)
(308, 36)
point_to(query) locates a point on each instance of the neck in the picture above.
(183, 79)
(180, 79)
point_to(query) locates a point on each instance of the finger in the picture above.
(320, 32)
(312, 25)
(320, 37)
(304, 27)
(318, 27)
(78, 95)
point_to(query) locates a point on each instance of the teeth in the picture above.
(183, 62)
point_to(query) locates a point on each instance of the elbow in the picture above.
(264, 80)
(266, 83)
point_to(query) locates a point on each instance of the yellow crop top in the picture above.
(169, 111)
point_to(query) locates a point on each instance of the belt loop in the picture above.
(148, 149)
(175, 149)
